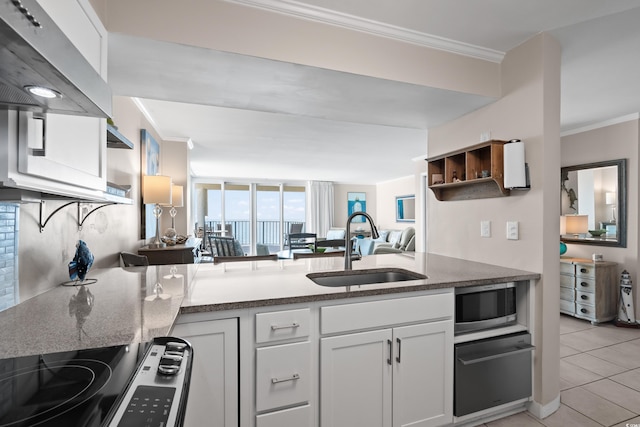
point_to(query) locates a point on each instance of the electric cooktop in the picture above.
(96, 387)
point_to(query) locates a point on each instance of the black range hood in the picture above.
(34, 51)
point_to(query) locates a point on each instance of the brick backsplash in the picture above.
(9, 228)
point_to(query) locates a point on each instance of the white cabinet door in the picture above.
(355, 380)
(213, 395)
(423, 375)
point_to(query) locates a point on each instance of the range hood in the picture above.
(35, 52)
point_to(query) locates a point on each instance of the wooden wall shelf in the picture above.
(467, 166)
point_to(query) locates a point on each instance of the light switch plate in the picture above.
(485, 228)
(512, 230)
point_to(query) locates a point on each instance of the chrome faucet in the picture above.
(374, 235)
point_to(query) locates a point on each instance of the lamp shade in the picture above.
(610, 198)
(176, 196)
(576, 224)
(157, 189)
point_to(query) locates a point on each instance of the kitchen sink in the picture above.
(364, 277)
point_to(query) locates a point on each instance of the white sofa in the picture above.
(390, 241)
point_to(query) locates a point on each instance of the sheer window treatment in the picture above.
(320, 211)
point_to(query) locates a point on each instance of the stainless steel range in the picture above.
(133, 385)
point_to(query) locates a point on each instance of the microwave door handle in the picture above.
(37, 135)
(510, 352)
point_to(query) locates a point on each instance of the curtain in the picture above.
(320, 211)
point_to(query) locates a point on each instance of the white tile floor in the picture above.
(599, 378)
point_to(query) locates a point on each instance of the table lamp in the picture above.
(157, 190)
(176, 202)
(576, 224)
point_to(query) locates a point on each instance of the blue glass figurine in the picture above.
(82, 262)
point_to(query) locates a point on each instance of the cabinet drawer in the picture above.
(567, 281)
(567, 307)
(351, 317)
(283, 375)
(585, 270)
(282, 325)
(585, 284)
(586, 298)
(298, 417)
(567, 268)
(587, 311)
(567, 294)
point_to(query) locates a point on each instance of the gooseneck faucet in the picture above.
(347, 236)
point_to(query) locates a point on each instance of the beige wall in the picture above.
(229, 27)
(386, 201)
(340, 212)
(619, 141)
(529, 110)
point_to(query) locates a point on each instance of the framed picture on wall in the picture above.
(357, 202)
(149, 165)
(406, 208)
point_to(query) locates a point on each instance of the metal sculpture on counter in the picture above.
(82, 262)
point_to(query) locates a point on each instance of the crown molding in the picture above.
(319, 14)
(605, 123)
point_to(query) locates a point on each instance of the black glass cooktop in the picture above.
(76, 388)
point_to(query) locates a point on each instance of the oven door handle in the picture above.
(486, 357)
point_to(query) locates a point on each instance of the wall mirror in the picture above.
(594, 203)
(406, 208)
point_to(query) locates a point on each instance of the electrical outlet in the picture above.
(512, 230)
(485, 228)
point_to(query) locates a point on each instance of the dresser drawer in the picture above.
(282, 325)
(283, 375)
(567, 281)
(586, 298)
(586, 311)
(298, 417)
(586, 270)
(567, 268)
(567, 294)
(585, 284)
(567, 307)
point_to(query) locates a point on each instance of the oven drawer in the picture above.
(298, 417)
(282, 325)
(283, 375)
(478, 364)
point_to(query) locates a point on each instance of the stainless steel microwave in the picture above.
(485, 307)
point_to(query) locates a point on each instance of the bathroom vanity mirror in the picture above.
(594, 196)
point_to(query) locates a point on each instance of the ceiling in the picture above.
(252, 118)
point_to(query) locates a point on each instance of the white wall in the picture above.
(618, 141)
(340, 212)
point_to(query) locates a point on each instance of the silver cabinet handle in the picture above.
(291, 326)
(390, 344)
(399, 345)
(293, 377)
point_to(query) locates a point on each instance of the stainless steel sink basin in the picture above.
(364, 277)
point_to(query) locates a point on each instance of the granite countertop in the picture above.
(263, 283)
(112, 311)
(122, 306)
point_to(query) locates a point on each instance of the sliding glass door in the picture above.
(259, 216)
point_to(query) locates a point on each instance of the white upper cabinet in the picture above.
(57, 153)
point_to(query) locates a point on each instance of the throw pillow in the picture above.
(394, 237)
(383, 236)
